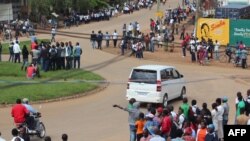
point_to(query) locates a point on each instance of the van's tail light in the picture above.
(158, 86)
(128, 83)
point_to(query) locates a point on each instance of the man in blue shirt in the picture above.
(31, 122)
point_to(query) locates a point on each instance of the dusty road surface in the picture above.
(92, 118)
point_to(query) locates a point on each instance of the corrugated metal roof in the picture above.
(235, 6)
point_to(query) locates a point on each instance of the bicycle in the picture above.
(224, 58)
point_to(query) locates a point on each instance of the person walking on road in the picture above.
(99, 40)
(115, 37)
(93, 39)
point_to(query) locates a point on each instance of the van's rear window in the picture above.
(144, 76)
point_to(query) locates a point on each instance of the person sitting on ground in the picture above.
(32, 71)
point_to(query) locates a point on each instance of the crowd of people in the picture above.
(189, 123)
(48, 56)
(203, 51)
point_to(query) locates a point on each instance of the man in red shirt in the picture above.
(19, 112)
(166, 124)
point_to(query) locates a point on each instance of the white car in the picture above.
(155, 84)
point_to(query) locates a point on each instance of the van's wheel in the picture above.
(165, 101)
(183, 93)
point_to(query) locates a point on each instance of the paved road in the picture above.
(93, 117)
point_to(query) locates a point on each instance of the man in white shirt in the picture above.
(130, 29)
(216, 50)
(115, 37)
(17, 51)
(220, 117)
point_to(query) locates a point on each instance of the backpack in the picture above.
(53, 53)
(198, 111)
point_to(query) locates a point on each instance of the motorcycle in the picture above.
(38, 129)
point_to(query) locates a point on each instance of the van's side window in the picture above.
(164, 75)
(176, 75)
(169, 74)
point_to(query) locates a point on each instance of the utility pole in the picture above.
(197, 14)
(158, 5)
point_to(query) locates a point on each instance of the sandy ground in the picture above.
(93, 118)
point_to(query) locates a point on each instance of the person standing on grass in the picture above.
(77, 55)
(17, 51)
(53, 34)
(1, 47)
(25, 54)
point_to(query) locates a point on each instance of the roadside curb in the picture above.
(99, 88)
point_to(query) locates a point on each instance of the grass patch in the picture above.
(5, 49)
(42, 88)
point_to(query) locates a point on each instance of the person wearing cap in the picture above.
(188, 134)
(211, 134)
(30, 119)
(150, 124)
(28, 106)
(226, 110)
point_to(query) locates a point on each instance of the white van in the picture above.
(155, 84)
